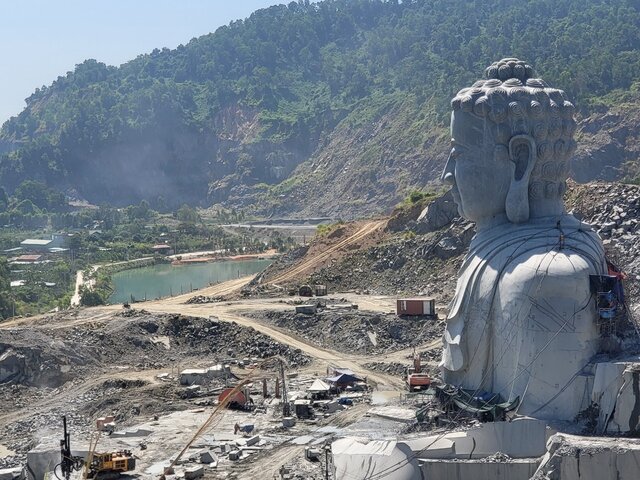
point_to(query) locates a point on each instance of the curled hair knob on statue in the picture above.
(528, 122)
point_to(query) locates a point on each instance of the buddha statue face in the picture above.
(479, 181)
(512, 137)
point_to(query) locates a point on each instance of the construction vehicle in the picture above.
(100, 466)
(416, 378)
(111, 465)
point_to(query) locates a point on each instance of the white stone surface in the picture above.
(361, 459)
(398, 414)
(10, 473)
(478, 470)
(523, 321)
(571, 457)
(521, 438)
(616, 390)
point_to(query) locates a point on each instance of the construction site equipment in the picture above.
(220, 407)
(609, 293)
(303, 408)
(111, 465)
(245, 429)
(416, 307)
(106, 424)
(101, 466)
(237, 399)
(305, 291)
(286, 406)
(416, 378)
(68, 462)
(486, 406)
(320, 290)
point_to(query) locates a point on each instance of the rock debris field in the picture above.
(77, 370)
(355, 331)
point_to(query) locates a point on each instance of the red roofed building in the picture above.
(28, 258)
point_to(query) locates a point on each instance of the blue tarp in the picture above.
(344, 379)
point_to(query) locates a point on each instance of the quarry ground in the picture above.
(87, 363)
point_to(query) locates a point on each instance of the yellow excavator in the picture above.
(111, 465)
(99, 466)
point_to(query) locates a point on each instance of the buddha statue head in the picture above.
(512, 137)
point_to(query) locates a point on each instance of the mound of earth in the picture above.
(355, 331)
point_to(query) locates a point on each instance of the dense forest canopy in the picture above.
(249, 103)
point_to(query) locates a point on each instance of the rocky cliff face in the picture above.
(367, 163)
(608, 145)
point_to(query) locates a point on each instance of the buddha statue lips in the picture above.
(523, 320)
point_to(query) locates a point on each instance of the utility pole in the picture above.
(327, 449)
(286, 408)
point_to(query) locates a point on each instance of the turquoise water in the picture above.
(163, 279)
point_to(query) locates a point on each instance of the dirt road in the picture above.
(236, 311)
(309, 264)
(75, 299)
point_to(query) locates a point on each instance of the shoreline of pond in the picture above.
(103, 273)
(168, 280)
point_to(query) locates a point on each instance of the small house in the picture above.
(22, 259)
(343, 381)
(162, 249)
(36, 244)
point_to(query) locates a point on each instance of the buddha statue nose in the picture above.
(448, 177)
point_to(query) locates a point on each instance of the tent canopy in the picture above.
(318, 386)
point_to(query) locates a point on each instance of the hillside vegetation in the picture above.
(330, 108)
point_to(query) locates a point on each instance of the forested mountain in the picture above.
(335, 107)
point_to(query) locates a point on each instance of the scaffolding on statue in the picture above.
(609, 294)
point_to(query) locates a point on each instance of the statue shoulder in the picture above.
(551, 273)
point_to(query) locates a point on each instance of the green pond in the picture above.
(163, 280)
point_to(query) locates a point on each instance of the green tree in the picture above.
(186, 214)
(90, 298)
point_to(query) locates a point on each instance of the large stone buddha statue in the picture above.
(523, 322)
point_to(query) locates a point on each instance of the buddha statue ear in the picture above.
(522, 154)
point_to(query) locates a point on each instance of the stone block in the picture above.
(11, 473)
(193, 473)
(570, 457)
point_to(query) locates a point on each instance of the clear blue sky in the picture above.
(42, 39)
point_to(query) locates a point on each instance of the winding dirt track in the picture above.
(306, 265)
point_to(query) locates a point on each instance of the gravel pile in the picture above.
(356, 331)
(396, 369)
(203, 299)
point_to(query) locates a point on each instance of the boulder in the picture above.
(437, 214)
